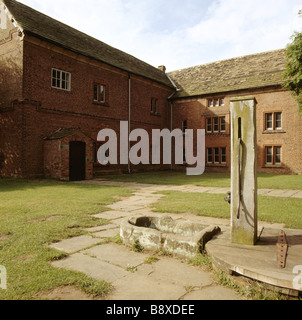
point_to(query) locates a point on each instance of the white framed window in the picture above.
(216, 102)
(222, 124)
(273, 155)
(278, 120)
(273, 121)
(269, 121)
(60, 79)
(99, 93)
(269, 155)
(217, 156)
(277, 155)
(216, 125)
(209, 155)
(209, 125)
(223, 155)
(154, 106)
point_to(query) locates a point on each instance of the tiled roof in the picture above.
(37, 24)
(247, 72)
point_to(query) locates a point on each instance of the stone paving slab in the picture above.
(107, 233)
(101, 228)
(177, 272)
(110, 215)
(117, 255)
(95, 268)
(75, 244)
(298, 195)
(282, 193)
(136, 287)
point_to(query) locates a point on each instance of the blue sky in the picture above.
(181, 33)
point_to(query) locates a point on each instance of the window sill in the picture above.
(273, 166)
(155, 114)
(217, 134)
(210, 165)
(273, 131)
(103, 104)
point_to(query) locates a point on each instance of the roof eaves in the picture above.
(205, 94)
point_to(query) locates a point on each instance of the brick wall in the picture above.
(45, 109)
(11, 48)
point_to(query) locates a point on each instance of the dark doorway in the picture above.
(77, 161)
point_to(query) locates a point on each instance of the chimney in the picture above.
(162, 68)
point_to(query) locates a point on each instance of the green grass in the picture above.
(265, 181)
(36, 213)
(270, 209)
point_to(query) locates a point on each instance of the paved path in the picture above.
(281, 193)
(133, 278)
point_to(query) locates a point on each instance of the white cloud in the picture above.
(236, 27)
(181, 33)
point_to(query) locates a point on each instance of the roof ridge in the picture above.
(63, 35)
(229, 59)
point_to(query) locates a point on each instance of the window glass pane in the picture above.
(209, 155)
(216, 124)
(222, 102)
(269, 121)
(278, 156)
(278, 120)
(210, 103)
(222, 124)
(216, 102)
(209, 125)
(223, 155)
(95, 92)
(102, 94)
(269, 155)
(216, 155)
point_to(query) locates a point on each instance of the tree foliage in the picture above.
(293, 71)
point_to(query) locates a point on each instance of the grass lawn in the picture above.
(270, 209)
(36, 213)
(265, 181)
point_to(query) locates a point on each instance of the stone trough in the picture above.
(182, 238)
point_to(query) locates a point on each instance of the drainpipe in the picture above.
(129, 121)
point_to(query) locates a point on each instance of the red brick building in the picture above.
(60, 87)
(204, 101)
